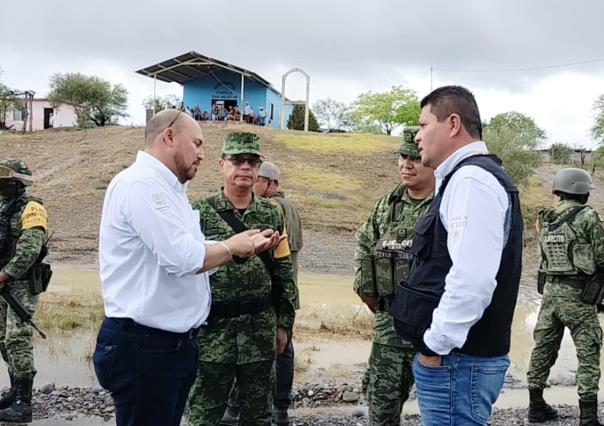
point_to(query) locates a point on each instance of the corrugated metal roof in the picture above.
(191, 66)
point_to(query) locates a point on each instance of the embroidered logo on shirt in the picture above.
(160, 200)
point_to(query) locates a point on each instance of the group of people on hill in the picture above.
(232, 113)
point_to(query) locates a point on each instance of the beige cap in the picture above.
(269, 170)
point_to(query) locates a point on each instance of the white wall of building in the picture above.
(63, 116)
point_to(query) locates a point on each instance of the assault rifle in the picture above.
(19, 309)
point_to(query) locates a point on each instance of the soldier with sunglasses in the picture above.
(252, 301)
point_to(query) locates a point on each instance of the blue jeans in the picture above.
(148, 371)
(461, 391)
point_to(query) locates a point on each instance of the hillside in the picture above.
(334, 179)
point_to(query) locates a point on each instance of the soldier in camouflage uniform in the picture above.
(252, 302)
(571, 239)
(23, 227)
(381, 261)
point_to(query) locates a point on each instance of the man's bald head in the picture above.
(160, 122)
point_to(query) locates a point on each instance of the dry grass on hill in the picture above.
(334, 179)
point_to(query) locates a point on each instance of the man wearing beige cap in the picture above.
(267, 186)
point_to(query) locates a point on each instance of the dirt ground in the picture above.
(72, 169)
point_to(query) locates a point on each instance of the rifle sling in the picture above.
(229, 217)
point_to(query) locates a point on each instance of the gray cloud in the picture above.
(373, 44)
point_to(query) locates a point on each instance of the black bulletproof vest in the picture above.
(417, 298)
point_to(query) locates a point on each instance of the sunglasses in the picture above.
(240, 160)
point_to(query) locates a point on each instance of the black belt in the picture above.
(128, 324)
(238, 307)
(568, 280)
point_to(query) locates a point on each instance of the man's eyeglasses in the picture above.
(238, 161)
(174, 120)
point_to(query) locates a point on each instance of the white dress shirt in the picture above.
(150, 249)
(473, 211)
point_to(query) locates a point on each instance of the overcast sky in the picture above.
(347, 47)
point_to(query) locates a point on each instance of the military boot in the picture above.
(539, 410)
(20, 410)
(280, 416)
(588, 412)
(8, 396)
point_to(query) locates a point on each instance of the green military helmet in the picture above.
(572, 181)
(15, 170)
(409, 147)
(238, 143)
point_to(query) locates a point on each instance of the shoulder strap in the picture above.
(570, 216)
(229, 217)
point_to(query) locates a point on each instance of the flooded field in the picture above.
(328, 304)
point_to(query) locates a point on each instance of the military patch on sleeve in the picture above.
(282, 249)
(34, 215)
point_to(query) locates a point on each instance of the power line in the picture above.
(542, 67)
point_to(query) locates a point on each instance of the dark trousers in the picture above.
(284, 376)
(148, 371)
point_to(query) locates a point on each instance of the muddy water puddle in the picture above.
(65, 359)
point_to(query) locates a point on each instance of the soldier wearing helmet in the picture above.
(571, 240)
(23, 228)
(381, 261)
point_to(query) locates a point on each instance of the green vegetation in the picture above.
(336, 144)
(296, 119)
(56, 315)
(560, 153)
(514, 137)
(533, 197)
(162, 102)
(597, 130)
(385, 111)
(95, 100)
(327, 182)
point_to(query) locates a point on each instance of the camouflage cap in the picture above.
(15, 169)
(408, 147)
(269, 170)
(237, 143)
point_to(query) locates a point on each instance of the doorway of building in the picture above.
(220, 108)
(48, 112)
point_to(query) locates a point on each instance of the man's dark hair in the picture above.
(447, 100)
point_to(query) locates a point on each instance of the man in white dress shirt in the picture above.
(459, 298)
(153, 264)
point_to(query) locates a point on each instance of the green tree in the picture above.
(514, 137)
(560, 153)
(94, 99)
(296, 119)
(597, 130)
(385, 111)
(162, 102)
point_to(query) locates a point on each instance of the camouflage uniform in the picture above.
(293, 225)
(241, 347)
(561, 306)
(22, 236)
(388, 379)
